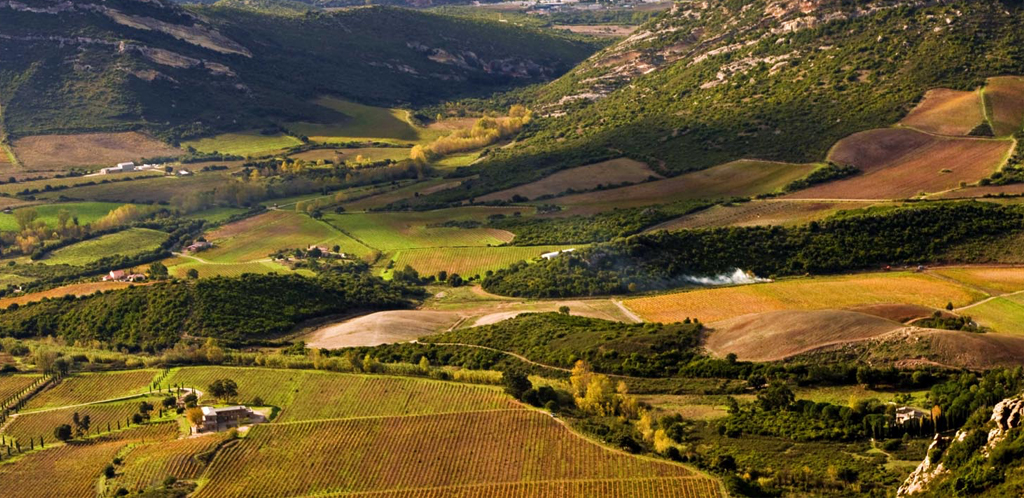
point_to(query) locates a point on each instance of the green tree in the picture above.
(157, 271)
(192, 273)
(778, 396)
(516, 383)
(223, 389)
(25, 217)
(62, 432)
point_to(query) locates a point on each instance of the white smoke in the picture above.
(738, 277)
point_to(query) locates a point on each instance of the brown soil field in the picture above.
(385, 327)
(83, 289)
(735, 179)
(1004, 97)
(59, 152)
(975, 192)
(601, 30)
(899, 163)
(901, 313)
(777, 335)
(964, 349)
(588, 177)
(159, 189)
(759, 213)
(947, 112)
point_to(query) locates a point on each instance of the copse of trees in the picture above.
(250, 307)
(660, 260)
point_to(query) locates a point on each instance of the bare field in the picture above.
(1004, 97)
(384, 327)
(777, 335)
(712, 305)
(60, 152)
(974, 351)
(735, 179)
(902, 313)
(613, 172)
(947, 112)
(83, 289)
(759, 213)
(602, 30)
(975, 192)
(899, 163)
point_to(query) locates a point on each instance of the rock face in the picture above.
(1006, 415)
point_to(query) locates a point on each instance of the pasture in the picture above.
(84, 212)
(468, 261)
(452, 452)
(125, 243)
(1003, 315)
(179, 267)
(899, 163)
(363, 123)
(246, 143)
(1004, 99)
(777, 335)
(947, 112)
(735, 179)
(93, 387)
(255, 238)
(62, 152)
(612, 172)
(759, 213)
(79, 289)
(712, 305)
(416, 229)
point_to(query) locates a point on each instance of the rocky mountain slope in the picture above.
(116, 64)
(718, 80)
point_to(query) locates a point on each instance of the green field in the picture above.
(467, 261)
(246, 143)
(86, 212)
(216, 215)
(1002, 314)
(254, 239)
(179, 267)
(363, 123)
(125, 243)
(409, 230)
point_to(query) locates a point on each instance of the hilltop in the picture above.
(185, 71)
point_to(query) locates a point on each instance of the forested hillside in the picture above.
(250, 307)
(181, 72)
(712, 82)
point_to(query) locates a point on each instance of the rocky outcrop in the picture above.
(1006, 415)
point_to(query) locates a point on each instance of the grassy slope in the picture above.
(125, 243)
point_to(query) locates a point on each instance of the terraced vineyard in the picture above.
(306, 395)
(33, 425)
(126, 243)
(92, 387)
(148, 465)
(35, 475)
(412, 453)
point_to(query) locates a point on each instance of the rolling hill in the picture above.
(714, 82)
(187, 71)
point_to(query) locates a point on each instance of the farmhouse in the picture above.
(905, 414)
(553, 255)
(120, 168)
(123, 276)
(215, 419)
(197, 246)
